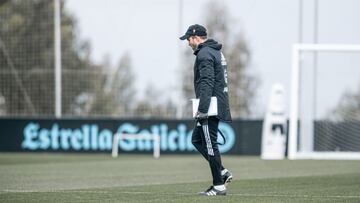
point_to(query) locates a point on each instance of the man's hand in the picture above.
(201, 116)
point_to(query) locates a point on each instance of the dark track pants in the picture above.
(204, 138)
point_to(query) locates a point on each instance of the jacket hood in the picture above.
(208, 43)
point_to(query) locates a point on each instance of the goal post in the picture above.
(314, 136)
(124, 136)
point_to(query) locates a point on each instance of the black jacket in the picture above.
(210, 78)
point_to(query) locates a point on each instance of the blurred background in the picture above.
(124, 59)
(78, 76)
(120, 60)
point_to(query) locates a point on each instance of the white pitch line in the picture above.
(249, 195)
(10, 190)
(183, 193)
(304, 196)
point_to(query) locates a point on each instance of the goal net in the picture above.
(325, 102)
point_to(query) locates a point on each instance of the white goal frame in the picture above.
(119, 136)
(294, 101)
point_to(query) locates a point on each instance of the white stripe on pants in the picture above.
(208, 140)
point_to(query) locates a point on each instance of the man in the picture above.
(210, 80)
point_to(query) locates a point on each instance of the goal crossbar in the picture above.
(122, 136)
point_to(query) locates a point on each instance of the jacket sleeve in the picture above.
(207, 79)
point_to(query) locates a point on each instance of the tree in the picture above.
(123, 85)
(348, 108)
(114, 91)
(187, 78)
(27, 64)
(2, 106)
(154, 105)
(27, 58)
(242, 85)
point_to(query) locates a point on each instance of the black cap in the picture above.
(194, 30)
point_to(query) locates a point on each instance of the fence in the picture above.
(27, 70)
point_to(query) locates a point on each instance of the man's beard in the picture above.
(194, 47)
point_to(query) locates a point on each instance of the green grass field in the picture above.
(140, 178)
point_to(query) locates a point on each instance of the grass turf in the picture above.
(26, 177)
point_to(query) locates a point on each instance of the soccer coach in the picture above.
(210, 80)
